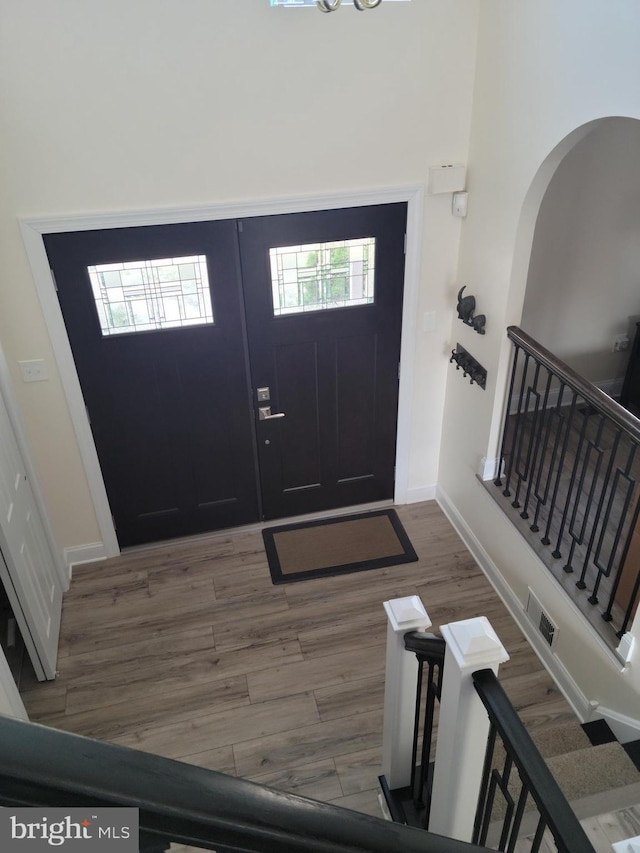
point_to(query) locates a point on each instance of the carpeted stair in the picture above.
(582, 768)
(595, 772)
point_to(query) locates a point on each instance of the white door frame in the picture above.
(33, 229)
(19, 433)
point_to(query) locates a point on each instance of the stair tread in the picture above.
(560, 739)
(592, 770)
(582, 774)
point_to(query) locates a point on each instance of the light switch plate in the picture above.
(33, 370)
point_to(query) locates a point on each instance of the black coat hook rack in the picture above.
(470, 367)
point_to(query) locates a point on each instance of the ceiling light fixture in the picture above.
(361, 5)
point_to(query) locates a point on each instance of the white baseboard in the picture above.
(421, 493)
(581, 706)
(626, 729)
(78, 554)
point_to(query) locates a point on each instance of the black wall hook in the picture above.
(470, 367)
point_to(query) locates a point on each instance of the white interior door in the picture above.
(27, 567)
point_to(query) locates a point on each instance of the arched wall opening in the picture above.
(583, 284)
(575, 283)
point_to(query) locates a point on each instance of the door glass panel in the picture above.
(165, 293)
(318, 276)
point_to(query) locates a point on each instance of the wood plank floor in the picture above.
(189, 651)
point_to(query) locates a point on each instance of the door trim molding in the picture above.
(33, 228)
(8, 397)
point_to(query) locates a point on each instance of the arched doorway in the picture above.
(582, 289)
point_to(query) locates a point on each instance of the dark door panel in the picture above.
(355, 368)
(175, 410)
(296, 366)
(331, 371)
(170, 408)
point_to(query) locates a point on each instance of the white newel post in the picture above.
(404, 614)
(463, 726)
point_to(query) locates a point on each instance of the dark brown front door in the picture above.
(323, 299)
(182, 333)
(165, 385)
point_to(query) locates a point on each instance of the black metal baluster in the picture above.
(565, 441)
(590, 475)
(543, 498)
(601, 502)
(517, 426)
(433, 693)
(605, 571)
(505, 428)
(574, 471)
(484, 786)
(537, 838)
(531, 416)
(428, 649)
(416, 788)
(534, 778)
(538, 457)
(566, 477)
(517, 820)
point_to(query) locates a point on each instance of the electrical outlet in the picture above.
(620, 343)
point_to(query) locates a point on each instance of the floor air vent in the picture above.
(542, 622)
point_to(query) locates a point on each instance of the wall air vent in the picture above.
(541, 621)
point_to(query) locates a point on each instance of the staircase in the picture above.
(598, 776)
(529, 784)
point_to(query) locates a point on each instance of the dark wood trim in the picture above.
(550, 801)
(591, 393)
(187, 804)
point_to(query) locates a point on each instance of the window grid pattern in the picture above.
(319, 276)
(140, 296)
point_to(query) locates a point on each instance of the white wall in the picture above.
(545, 70)
(584, 278)
(123, 106)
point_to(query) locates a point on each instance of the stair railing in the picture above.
(569, 467)
(181, 803)
(532, 780)
(429, 651)
(409, 800)
(461, 669)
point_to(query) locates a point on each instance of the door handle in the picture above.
(264, 414)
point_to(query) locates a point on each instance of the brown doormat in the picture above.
(336, 546)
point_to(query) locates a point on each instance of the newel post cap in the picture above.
(474, 643)
(407, 614)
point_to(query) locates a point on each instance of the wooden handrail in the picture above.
(550, 801)
(40, 766)
(427, 646)
(591, 394)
